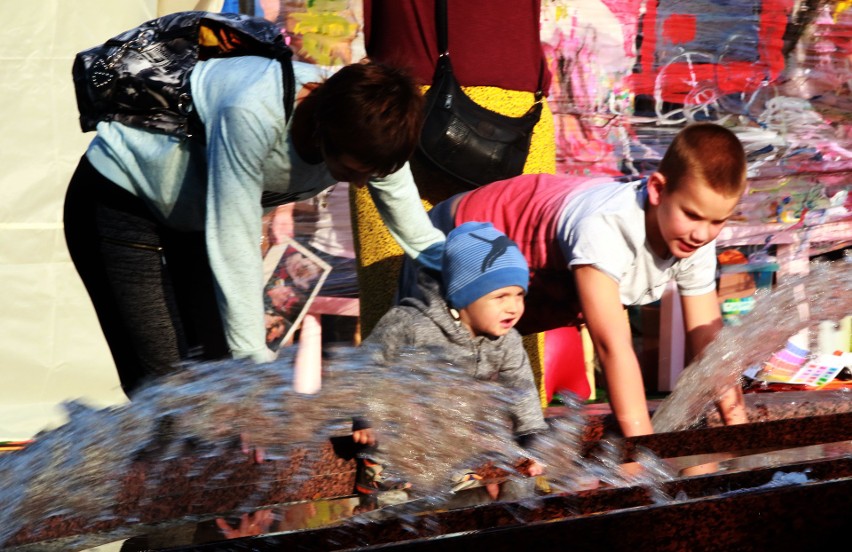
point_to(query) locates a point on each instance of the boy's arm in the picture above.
(702, 321)
(610, 332)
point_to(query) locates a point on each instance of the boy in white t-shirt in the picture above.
(596, 246)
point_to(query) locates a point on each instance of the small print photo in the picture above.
(293, 276)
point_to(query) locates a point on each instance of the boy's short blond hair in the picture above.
(709, 152)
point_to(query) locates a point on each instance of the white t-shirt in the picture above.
(604, 226)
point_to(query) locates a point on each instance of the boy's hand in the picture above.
(732, 407)
(364, 436)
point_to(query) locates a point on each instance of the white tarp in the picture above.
(51, 346)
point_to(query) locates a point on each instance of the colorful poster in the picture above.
(325, 32)
(294, 276)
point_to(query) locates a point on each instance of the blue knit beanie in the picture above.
(479, 259)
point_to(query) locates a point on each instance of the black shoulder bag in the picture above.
(467, 141)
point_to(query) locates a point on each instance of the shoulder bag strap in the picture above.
(441, 26)
(441, 21)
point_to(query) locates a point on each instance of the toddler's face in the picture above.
(495, 313)
(692, 216)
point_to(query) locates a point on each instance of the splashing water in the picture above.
(558, 448)
(433, 420)
(796, 303)
(430, 418)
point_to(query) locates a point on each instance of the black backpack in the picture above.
(141, 77)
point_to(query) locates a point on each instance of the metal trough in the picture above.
(742, 506)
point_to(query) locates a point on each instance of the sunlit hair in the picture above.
(708, 153)
(372, 112)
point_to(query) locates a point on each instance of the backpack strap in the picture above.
(288, 79)
(226, 35)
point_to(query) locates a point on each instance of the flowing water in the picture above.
(795, 304)
(432, 420)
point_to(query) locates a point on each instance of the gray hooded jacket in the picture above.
(427, 324)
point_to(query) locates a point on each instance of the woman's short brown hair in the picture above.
(372, 112)
(708, 152)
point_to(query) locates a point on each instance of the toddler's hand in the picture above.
(534, 469)
(364, 436)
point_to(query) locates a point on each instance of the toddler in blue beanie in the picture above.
(473, 306)
(480, 262)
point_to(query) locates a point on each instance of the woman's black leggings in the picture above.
(151, 286)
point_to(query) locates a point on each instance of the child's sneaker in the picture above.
(369, 479)
(466, 480)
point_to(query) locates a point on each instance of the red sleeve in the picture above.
(491, 42)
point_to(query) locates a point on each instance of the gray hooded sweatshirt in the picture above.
(427, 324)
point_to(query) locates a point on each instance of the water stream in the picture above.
(796, 303)
(432, 420)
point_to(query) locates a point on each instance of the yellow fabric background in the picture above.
(379, 256)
